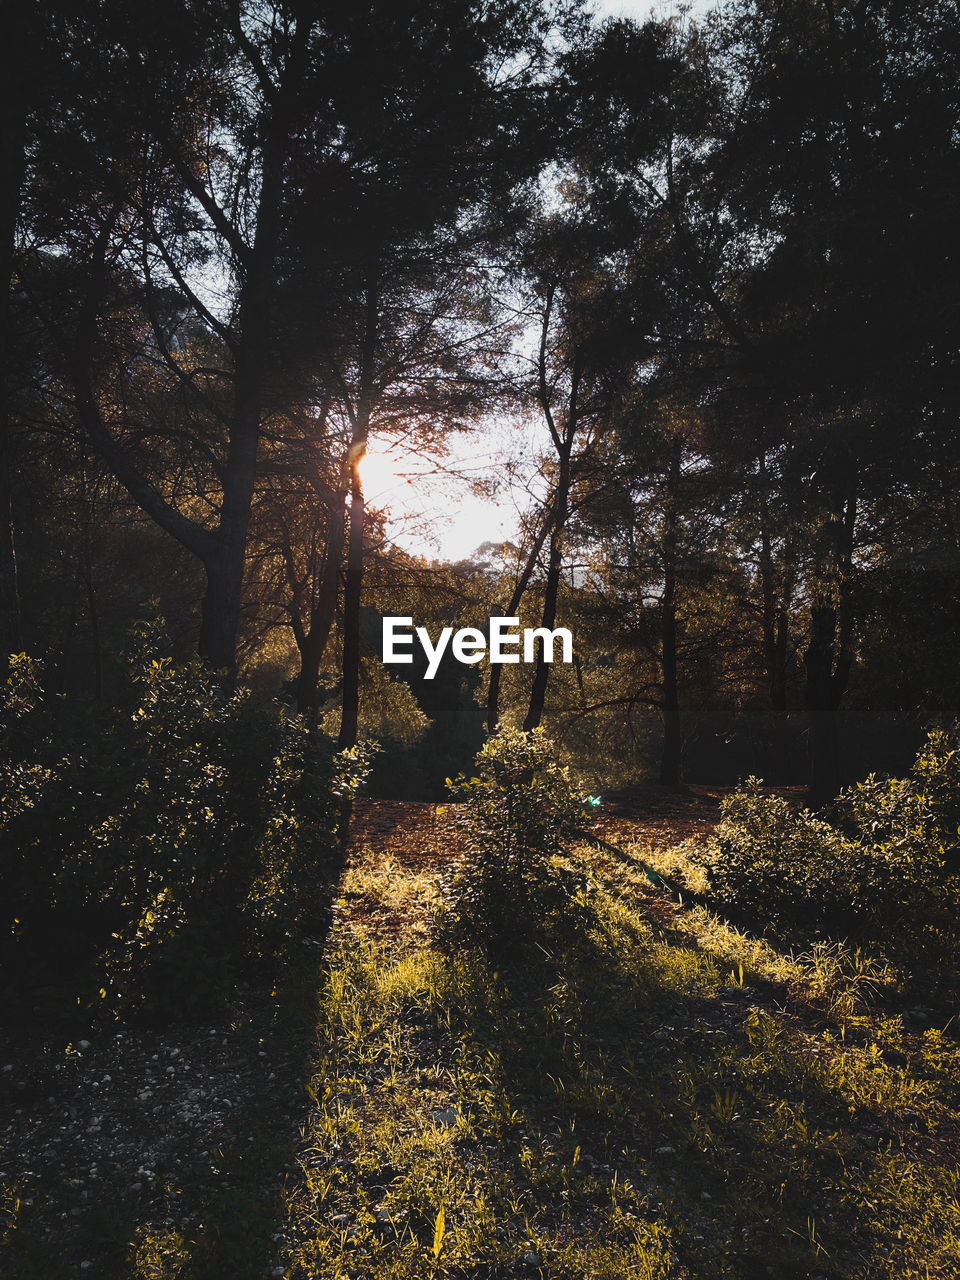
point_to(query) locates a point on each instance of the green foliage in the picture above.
(884, 869)
(595, 1120)
(21, 782)
(774, 864)
(510, 889)
(195, 828)
(301, 801)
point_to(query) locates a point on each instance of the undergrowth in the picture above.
(654, 1111)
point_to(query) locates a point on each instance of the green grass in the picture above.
(614, 1116)
(659, 1096)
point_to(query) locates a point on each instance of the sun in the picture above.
(379, 475)
(428, 504)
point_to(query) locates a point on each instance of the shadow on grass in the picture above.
(661, 1102)
(221, 1137)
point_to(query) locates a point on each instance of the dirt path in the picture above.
(420, 834)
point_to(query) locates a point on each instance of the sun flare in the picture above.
(427, 500)
(379, 474)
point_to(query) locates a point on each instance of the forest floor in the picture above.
(674, 1098)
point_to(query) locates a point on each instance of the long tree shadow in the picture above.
(161, 1150)
(701, 1110)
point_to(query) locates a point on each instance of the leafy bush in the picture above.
(22, 781)
(773, 864)
(884, 869)
(193, 828)
(510, 890)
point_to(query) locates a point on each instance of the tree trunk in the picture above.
(223, 599)
(826, 681)
(672, 740)
(672, 737)
(775, 624)
(828, 659)
(314, 643)
(11, 629)
(496, 668)
(13, 120)
(350, 715)
(541, 674)
(778, 696)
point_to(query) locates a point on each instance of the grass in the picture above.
(630, 1108)
(658, 1096)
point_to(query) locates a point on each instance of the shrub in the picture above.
(186, 837)
(510, 890)
(773, 864)
(885, 869)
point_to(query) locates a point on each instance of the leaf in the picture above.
(438, 1230)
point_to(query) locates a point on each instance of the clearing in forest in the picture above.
(666, 1098)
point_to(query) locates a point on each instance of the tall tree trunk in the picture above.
(349, 720)
(541, 674)
(778, 694)
(314, 643)
(672, 737)
(13, 120)
(775, 624)
(496, 668)
(826, 680)
(828, 661)
(350, 715)
(562, 436)
(223, 601)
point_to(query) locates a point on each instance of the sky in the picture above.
(432, 511)
(431, 508)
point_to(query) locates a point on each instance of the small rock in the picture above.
(84, 1044)
(531, 1258)
(666, 1151)
(444, 1118)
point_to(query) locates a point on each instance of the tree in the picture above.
(775, 155)
(277, 154)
